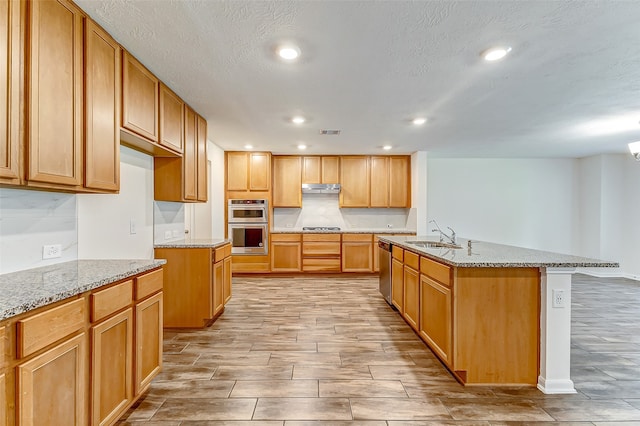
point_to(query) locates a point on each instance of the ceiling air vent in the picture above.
(329, 132)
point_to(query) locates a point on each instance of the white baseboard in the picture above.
(602, 274)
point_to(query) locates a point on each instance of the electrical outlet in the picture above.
(51, 251)
(167, 235)
(389, 225)
(558, 298)
(132, 227)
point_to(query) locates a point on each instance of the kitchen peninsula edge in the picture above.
(476, 300)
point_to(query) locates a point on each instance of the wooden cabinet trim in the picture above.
(435, 270)
(40, 330)
(148, 341)
(108, 301)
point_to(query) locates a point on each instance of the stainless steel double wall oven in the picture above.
(248, 226)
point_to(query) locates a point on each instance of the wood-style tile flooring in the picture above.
(330, 351)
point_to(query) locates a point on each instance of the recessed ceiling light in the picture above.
(298, 120)
(495, 53)
(387, 147)
(289, 52)
(248, 146)
(419, 121)
(302, 146)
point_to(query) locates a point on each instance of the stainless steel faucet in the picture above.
(451, 238)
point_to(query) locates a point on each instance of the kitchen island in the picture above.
(494, 314)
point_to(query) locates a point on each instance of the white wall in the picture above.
(31, 219)
(523, 202)
(104, 219)
(216, 190)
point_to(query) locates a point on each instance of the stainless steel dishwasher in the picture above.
(384, 253)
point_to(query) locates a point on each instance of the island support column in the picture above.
(555, 332)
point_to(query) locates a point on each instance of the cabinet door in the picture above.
(202, 176)
(140, 103)
(217, 289)
(171, 117)
(357, 257)
(55, 97)
(400, 181)
(311, 170)
(237, 171)
(435, 317)
(227, 279)
(190, 155)
(379, 182)
(287, 184)
(102, 109)
(397, 284)
(330, 170)
(354, 181)
(286, 256)
(411, 297)
(111, 367)
(260, 171)
(376, 256)
(10, 24)
(51, 387)
(148, 341)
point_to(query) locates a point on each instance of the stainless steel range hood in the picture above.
(320, 188)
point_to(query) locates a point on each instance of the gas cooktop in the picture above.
(320, 228)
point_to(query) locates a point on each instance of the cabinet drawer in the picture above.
(311, 248)
(227, 250)
(40, 330)
(106, 302)
(397, 253)
(321, 237)
(218, 254)
(412, 260)
(435, 270)
(278, 238)
(148, 284)
(319, 264)
(357, 237)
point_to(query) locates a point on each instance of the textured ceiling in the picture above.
(368, 67)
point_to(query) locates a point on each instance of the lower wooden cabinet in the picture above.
(3, 398)
(411, 297)
(286, 253)
(148, 341)
(397, 284)
(321, 252)
(435, 317)
(357, 253)
(194, 284)
(111, 367)
(52, 387)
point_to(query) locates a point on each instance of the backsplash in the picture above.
(168, 221)
(324, 210)
(31, 219)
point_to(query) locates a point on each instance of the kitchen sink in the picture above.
(434, 244)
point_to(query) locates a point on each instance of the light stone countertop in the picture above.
(344, 231)
(23, 291)
(485, 254)
(193, 243)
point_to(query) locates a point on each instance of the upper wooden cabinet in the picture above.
(184, 179)
(140, 98)
(321, 169)
(390, 181)
(248, 171)
(354, 181)
(54, 105)
(102, 109)
(287, 185)
(11, 22)
(171, 111)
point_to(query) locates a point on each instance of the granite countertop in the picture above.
(344, 231)
(485, 254)
(193, 243)
(23, 291)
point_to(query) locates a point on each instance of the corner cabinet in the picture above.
(11, 23)
(184, 179)
(287, 181)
